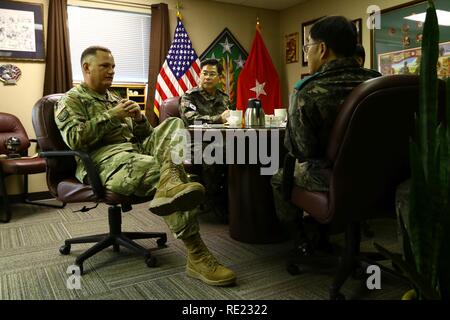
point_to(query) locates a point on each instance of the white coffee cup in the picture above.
(276, 121)
(235, 118)
(268, 120)
(236, 113)
(281, 114)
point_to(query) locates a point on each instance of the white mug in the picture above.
(281, 113)
(236, 113)
(235, 118)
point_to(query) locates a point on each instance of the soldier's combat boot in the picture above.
(174, 192)
(201, 264)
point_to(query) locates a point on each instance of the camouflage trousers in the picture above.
(305, 176)
(138, 174)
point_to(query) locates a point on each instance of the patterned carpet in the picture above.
(32, 268)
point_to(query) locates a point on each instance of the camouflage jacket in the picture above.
(197, 105)
(312, 112)
(84, 119)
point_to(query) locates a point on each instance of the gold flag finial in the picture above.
(179, 6)
(258, 25)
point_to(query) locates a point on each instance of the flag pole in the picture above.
(258, 26)
(179, 6)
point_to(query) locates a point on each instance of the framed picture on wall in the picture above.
(291, 47)
(396, 45)
(306, 28)
(21, 31)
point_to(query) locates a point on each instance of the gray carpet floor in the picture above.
(32, 268)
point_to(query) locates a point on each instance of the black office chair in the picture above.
(63, 185)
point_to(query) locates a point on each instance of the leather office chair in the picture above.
(63, 185)
(369, 152)
(10, 126)
(169, 108)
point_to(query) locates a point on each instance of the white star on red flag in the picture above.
(259, 89)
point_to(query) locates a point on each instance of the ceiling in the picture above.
(265, 4)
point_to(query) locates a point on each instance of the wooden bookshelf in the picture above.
(135, 92)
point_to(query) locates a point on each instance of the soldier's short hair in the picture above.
(212, 62)
(92, 51)
(338, 33)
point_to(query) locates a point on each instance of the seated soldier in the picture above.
(208, 104)
(330, 53)
(132, 158)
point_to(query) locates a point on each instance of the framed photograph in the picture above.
(306, 28)
(358, 25)
(291, 47)
(21, 31)
(396, 45)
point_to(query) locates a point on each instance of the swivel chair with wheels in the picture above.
(64, 186)
(369, 152)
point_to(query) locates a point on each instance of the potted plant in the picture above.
(426, 224)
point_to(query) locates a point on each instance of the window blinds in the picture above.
(126, 34)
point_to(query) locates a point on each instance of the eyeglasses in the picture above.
(211, 74)
(306, 47)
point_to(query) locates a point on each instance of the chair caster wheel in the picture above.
(65, 249)
(161, 242)
(151, 262)
(293, 269)
(337, 296)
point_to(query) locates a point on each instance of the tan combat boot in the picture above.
(174, 191)
(201, 264)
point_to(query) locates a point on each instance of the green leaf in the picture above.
(428, 86)
(420, 216)
(407, 251)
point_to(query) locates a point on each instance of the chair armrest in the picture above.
(288, 176)
(93, 177)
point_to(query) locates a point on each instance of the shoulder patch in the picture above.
(63, 115)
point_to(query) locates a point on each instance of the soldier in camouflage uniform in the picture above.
(314, 107)
(132, 158)
(207, 104)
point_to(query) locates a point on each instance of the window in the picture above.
(126, 34)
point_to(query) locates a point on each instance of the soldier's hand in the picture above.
(224, 116)
(134, 111)
(126, 108)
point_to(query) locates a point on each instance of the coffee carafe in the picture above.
(254, 115)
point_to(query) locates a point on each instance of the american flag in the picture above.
(180, 72)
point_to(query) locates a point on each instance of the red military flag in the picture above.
(259, 78)
(180, 72)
